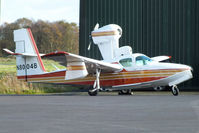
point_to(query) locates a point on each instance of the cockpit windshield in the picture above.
(127, 62)
(142, 60)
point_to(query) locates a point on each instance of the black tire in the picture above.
(93, 93)
(175, 91)
(125, 92)
(159, 88)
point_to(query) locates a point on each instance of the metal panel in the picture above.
(152, 27)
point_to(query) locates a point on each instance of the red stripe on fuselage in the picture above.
(36, 49)
(45, 75)
(114, 82)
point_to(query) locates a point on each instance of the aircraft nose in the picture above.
(184, 73)
(180, 66)
(188, 67)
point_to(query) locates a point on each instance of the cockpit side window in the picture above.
(127, 62)
(142, 60)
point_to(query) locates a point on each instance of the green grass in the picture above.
(7, 65)
(49, 65)
(8, 60)
(9, 84)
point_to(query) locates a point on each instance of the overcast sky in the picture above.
(47, 10)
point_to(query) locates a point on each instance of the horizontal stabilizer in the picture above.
(23, 54)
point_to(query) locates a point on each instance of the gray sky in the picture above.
(47, 10)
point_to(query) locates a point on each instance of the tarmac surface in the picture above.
(100, 114)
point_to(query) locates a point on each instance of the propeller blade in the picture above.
(89, 46)
(96, 26)
(90, 37)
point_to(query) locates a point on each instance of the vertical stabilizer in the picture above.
(26, 64)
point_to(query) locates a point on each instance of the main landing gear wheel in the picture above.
(93, 93)
(125, 92)
(175, 90)
(159, 88)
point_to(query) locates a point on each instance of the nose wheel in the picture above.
(175, 90)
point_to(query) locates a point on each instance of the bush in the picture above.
(9, 84)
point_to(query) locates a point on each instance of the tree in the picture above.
(55, 36)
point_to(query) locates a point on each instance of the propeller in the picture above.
(90, 37)
(90, 42)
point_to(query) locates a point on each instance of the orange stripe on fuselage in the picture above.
(105, 33)
(106, 79)
(70, 68)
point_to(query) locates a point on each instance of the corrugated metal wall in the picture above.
(152, 27)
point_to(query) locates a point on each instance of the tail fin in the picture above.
(28, 59)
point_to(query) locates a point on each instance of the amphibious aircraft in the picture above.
(120, 70)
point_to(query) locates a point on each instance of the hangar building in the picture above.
(152, 27)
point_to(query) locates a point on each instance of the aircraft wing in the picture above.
(160, 58)
(91, 64)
